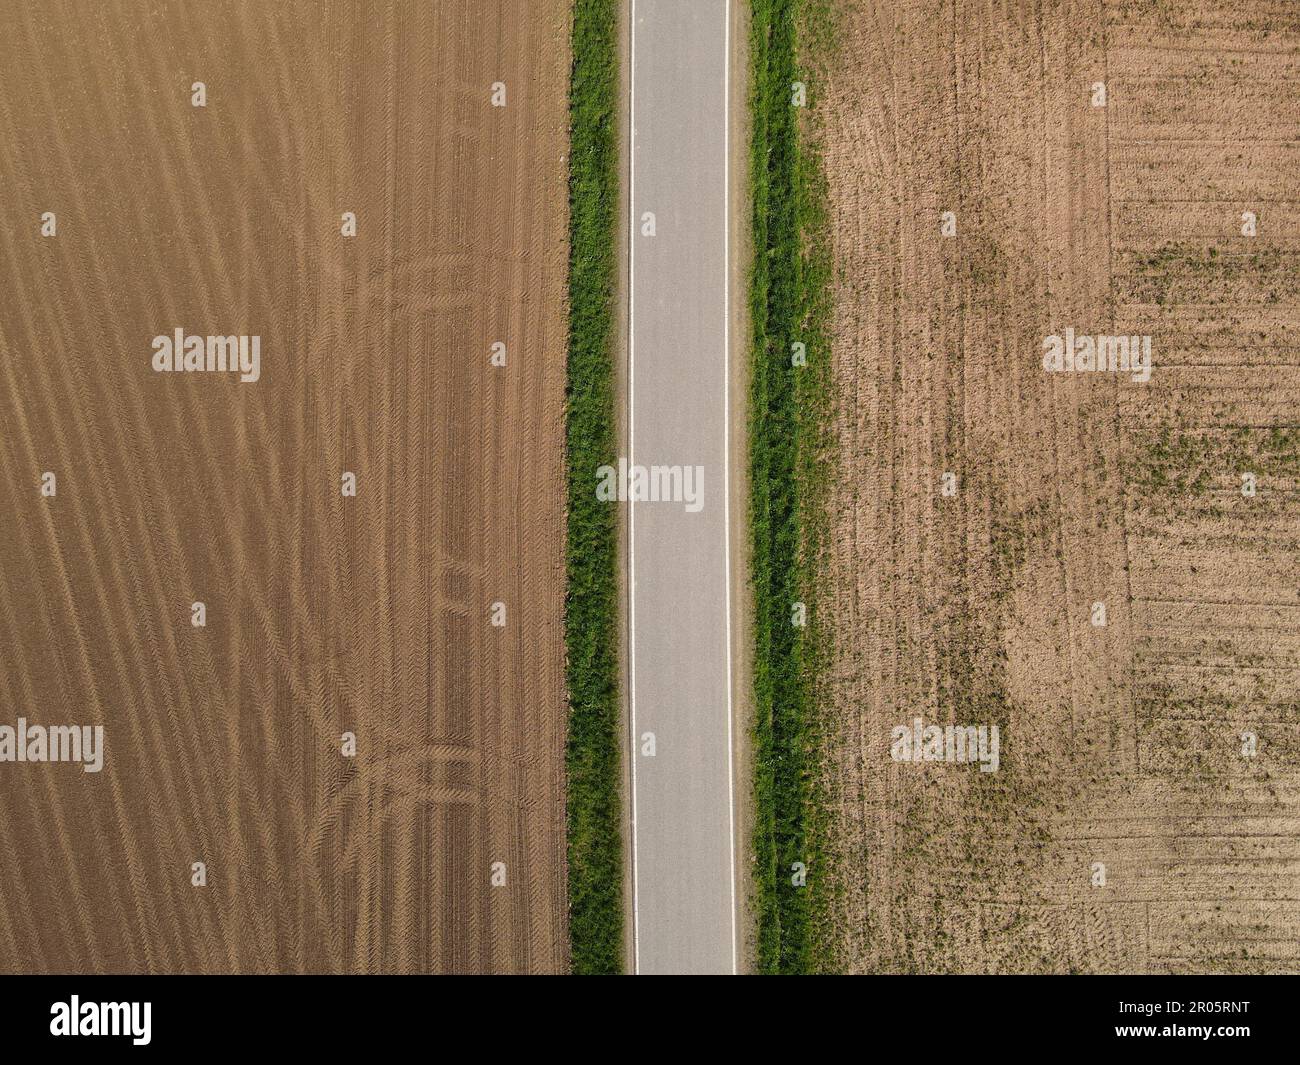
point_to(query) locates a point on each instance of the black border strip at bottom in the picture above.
(339, 1014)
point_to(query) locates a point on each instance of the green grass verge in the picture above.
(789, 303)
(595, 846)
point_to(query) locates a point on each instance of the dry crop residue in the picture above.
(1121, 744)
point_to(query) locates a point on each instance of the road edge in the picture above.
(741, 253)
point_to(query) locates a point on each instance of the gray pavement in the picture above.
(684, 890)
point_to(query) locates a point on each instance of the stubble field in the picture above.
(1122, 745)
(326, 613)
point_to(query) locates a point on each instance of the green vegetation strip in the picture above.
(591, 609)
(789, 288)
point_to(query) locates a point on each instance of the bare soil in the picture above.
(326, 614)
(1121, 745)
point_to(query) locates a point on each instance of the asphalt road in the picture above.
(683, 823)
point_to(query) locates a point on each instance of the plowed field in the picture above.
(1145, 816)
(326, 613)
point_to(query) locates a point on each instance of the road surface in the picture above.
(679, 613)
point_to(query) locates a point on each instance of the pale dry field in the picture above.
(325, 614)
(1121, 744)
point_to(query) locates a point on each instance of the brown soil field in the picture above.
(1121, 744)
(325, 613)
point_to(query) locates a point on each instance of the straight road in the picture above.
(679, 614)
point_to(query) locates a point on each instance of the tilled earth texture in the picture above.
(350, 756)
(1103, 565)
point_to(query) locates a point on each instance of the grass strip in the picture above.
(592, 758)
(788, 425)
